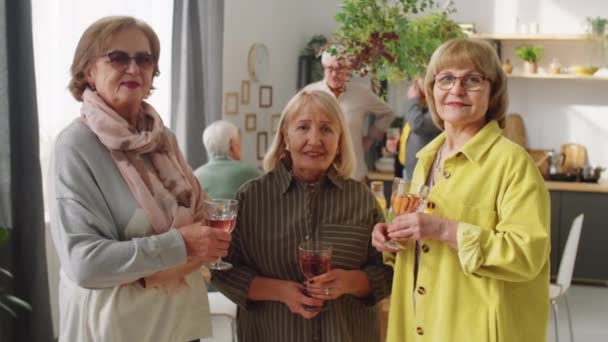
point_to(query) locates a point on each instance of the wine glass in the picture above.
(315, 259)
(406, 197)
(221, 214)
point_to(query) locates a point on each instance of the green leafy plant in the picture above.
(529, 53)
(392, 39)
(598, 25)
(314, 46)
(9, 303)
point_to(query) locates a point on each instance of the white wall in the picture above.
(555, 111)
(284, 26)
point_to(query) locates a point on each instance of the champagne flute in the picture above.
(315, 259)
(221, 214)
(406, 197)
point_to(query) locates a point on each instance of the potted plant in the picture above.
(598, 25)
(9, 303)
(385, 40)
(530, 54)
(309, 62)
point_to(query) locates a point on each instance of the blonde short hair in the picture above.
(345, 159)
(465, 52)
(95, 39)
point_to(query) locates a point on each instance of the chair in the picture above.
(564, 274)
(221, 306)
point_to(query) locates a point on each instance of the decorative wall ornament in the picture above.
(231, 103)
(245, 91)
(274, 122)
(265, 96)
(258, 62)
(251, 122)
(262, 144)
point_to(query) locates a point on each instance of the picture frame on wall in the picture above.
(274, 122)
(265, 96)
(231, 103)
(245, 91)
(262, 144)
(251, 122)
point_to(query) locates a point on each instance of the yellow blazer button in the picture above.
(430, 205)
(425, 248)
(421, 290)
(420, 331)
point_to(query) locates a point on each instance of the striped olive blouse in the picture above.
(276, 213)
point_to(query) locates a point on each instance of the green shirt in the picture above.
(276, 213)
(222, 177)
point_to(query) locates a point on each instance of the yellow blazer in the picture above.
(496, 286)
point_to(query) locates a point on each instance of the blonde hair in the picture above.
(95, 39)
(482, 57)
(345, 159)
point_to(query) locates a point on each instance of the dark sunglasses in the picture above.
(122, 59)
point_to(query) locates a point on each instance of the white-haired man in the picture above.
(224, 173)
(356, 101)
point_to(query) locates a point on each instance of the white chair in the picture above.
(221, 306)
(564, 274)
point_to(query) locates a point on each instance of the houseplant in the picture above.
(392, 39)
(9, 303)
(597, 25)
(530, 54)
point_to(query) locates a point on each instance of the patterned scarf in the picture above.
(150, 162)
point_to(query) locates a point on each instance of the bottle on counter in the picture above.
(507, 67)
(377, 188)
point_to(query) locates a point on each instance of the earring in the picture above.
(286, 147)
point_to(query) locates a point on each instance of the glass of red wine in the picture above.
(406, 197)
(221, 214)
(315, 259)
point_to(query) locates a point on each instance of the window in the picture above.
(57, 27)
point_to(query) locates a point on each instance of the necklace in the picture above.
(440, 170)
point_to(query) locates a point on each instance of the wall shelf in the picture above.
(535, 36)
(559, 77)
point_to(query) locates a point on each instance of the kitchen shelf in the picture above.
(559, 77)
(535, 36)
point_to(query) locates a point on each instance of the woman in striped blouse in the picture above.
(306, 194)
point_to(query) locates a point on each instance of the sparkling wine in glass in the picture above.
(221, 214)
(406, 197)
(315, 259)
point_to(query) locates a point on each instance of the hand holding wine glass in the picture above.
(221, 214)
(315, 259)
(407, 197)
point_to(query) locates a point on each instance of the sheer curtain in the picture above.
(198, 36)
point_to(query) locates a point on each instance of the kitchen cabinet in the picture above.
(590, 266)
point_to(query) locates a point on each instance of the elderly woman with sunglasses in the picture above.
(127, 210)
(476, 263)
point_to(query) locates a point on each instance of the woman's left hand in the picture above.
(338, 282)
(419, 226)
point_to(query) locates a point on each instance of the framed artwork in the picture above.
(274, 122)
(265, 96)
(231, 103)
(262, 144)
(245, 91)
(251, 122)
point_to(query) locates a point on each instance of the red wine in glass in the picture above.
(221, 214)
(315, 259)
(225, 224)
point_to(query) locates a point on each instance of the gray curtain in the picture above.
(20, 179)
(196, 83)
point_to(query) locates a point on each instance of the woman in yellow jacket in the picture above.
(476, 266)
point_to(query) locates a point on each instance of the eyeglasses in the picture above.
(470, 82)
(120, 59)
(337, 70)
